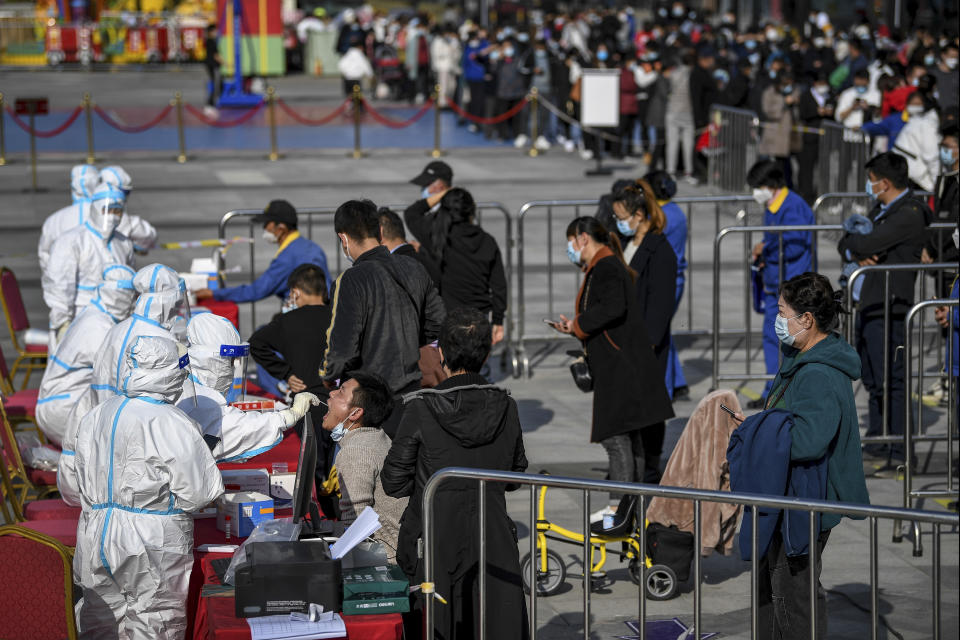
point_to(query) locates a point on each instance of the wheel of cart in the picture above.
(551, 572)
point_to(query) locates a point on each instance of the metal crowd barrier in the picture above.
(307, 214)
(525, 334)
(818, 204)
(886, 270)
(909, 494)
(733, 146)
(812, 507)
(842, 157)
(718, 332)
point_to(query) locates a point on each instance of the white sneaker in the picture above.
(542, 143)
(561, 139)
(472, 128)
(210, 111)
(418, 99)
(586, 154)
(597, 516)
(689, 179)
(521, 141)
(568, 146)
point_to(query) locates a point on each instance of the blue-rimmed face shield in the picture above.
(239, 353)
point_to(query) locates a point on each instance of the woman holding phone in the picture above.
(629, 395)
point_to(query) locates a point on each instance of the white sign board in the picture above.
(600, 98)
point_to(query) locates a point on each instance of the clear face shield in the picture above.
(112, 205)
(184, 364)
(239, 353)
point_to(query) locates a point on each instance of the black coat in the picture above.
(656, 287)
(628, 388)
(897, 238)
(463, 422)
(470, 272)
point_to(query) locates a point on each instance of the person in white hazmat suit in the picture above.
(78, 257)
(162, 293)
(214, 347)
(141, 469)
(70, 368)
(84, 179)
(141, 232)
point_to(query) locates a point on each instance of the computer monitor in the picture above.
(303, 503)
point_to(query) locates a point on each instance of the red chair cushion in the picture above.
(63, 530)
(22, 403)
(52, 509)
(31, 589)
(41, 478)
(36, 348)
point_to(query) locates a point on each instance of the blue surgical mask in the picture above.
(929, 60)
(623, 226)
(783, 331)
(861, 89)
(424, 193)
(750, 45)
(337, 433)
(508, 52)
(573, 254)
(869, 189)
(946, 156)
(787, 90)
(602, 55)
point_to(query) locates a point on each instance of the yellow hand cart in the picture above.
(659, 580)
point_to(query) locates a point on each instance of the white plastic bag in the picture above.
(41, 458)
(280, 530)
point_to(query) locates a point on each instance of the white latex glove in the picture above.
(301, 404)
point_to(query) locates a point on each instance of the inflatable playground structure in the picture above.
(84, 32)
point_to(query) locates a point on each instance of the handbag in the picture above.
(580, 370)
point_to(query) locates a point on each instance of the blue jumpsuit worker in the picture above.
(279, 221)
(664, 188)
(782, 207)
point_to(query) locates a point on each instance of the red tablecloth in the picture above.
(287, 451)
(215, 618)
(224, 308)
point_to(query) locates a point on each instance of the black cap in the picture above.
(278, 211)
(434, 171)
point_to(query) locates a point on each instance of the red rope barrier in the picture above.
(133, 129)
(493, 120)
(52, 132)
(397, 124)
(313, 123)
(198, 114)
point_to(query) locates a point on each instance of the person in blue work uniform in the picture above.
(664, 188)
(279, 221)
(782, 207)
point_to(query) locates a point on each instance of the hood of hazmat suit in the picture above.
(140, 469)
(215, 351)
(77, 258)
(70, 368)
(83, 181)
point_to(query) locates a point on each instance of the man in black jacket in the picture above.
(464, 422)
(899, 232)
(815, 105)
(946, 207)
(384, 309)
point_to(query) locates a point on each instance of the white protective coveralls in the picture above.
(161, 292)
(78, 257)
(70, 369)
(141, 232)
(141, 469)
(84, 179)
(214, 346)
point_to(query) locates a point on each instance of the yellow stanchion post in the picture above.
(3, 141)
(33, 148)
(181, 136)
(357, 104)
(534, 123)
(437, 152)
(87, 105)
(272, 115)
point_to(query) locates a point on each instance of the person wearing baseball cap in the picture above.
(437, 176)
(279, 222)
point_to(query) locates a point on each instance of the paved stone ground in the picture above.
(186, 201)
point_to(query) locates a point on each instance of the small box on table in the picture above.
(245, 509)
